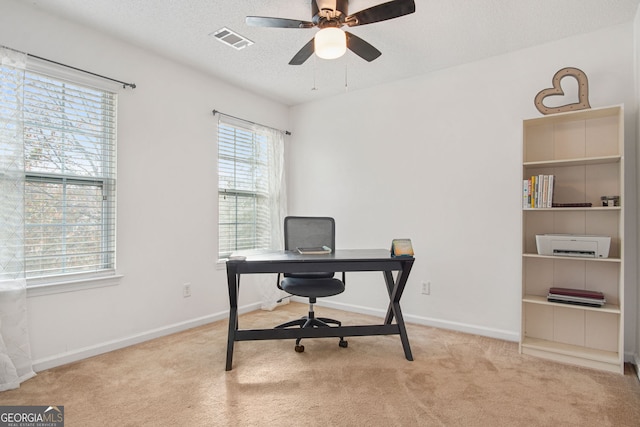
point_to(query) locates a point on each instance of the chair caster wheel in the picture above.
(343, 343)
(299, 348)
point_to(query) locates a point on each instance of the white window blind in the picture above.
(70, 177)
(244, 195)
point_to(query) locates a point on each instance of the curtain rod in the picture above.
(124, 84)
(286, 132)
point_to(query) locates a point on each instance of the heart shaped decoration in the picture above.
(583, 92)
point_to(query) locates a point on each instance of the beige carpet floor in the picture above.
(455, 380)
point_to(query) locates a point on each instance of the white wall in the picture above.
(167, 186)
(437, 158)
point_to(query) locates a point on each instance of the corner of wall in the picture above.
(636, 68)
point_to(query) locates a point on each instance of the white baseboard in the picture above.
(427, 321)
(445, 324)
(86, 352)
(83, 353)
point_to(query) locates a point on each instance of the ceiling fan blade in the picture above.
(303, 54)
(264, 21)
(361, 48)
(381, 12)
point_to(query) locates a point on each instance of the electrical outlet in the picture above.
(186, 290)
(426, 288)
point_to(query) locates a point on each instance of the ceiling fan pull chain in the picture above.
(346, 74)
(315, 63)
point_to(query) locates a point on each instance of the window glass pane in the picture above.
(64, 228)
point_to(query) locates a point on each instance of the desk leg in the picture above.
(395, 289)
(391, 284)
(232, 282)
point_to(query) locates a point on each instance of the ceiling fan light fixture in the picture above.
(330, 43)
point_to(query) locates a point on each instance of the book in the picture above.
(537, 191)
(587, 303)
(577, 293)
(533, 191)
(572, 205)
(401, 247)
(540, 190)
(319, 250)
(576, 296)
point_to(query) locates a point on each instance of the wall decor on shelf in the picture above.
(556, 90)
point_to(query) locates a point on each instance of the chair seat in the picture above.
(312, 288)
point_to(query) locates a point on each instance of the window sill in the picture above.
(62, 284)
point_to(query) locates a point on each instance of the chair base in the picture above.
(310, 321)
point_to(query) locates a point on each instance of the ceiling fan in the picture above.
(330, 15)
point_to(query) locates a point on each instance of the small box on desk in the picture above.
(401, 247)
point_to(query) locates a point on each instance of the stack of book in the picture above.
(576, 296)
(537, 191)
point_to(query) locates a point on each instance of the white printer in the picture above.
(573, 245)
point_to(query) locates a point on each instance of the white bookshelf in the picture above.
(584, 150)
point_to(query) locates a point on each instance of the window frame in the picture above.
(104, 274)
(254, 188)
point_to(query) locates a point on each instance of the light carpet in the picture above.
(456, 379)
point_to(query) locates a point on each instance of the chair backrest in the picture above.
(309, 232)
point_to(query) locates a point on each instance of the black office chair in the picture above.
(310, 232)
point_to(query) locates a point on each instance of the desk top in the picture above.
(338, 254)
(339, 260)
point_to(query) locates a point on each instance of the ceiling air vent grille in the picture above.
(232, 38)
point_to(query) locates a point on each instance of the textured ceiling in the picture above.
(440, 34)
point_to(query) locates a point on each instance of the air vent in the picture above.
(232, 38)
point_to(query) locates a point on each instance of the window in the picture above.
(249, 186)
(69, 162)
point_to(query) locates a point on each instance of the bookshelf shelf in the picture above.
(557, 258)
(575, 162)
(583, 150)
(580, 208)
(535, 299)
(576, 355)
